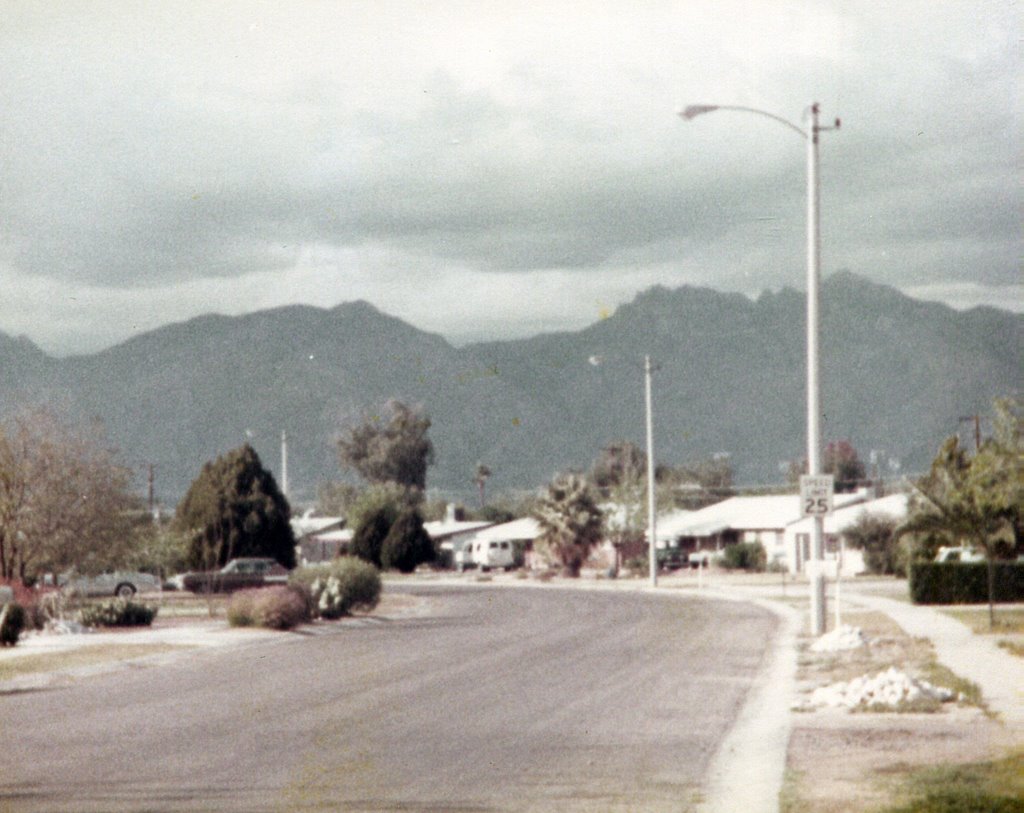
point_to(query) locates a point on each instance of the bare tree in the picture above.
(65, 500)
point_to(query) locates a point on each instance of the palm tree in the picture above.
(570, 521)
(480, 478)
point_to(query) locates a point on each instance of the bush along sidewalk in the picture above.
(339, 587)
(118, 612)
(282, 607)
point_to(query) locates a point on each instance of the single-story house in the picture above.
(450, 535)
(325, 546)
(317, 539)
(762, 519)
(797, 537)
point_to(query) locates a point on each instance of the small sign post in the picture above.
(816, 493)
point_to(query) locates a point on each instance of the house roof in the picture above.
(307, 524)
(445, 529)
(525, 528)
(337, 535)
(894, 505)
(758, 513)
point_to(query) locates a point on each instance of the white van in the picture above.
(493, 553)
(958, 554)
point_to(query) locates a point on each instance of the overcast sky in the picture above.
(491, 169)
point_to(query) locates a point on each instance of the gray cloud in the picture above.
(161, 151)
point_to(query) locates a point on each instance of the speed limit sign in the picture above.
(816, 492)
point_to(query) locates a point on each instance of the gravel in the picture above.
(890, 689)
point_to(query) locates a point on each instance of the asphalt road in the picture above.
(490, 700)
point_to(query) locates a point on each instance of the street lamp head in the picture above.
(696, 110)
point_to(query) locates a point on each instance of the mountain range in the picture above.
(898, 374)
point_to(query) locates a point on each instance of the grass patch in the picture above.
(1013, 647)
(189, 605)
(992, 787)
(1006, 621)
(969, 692)
(85, 656)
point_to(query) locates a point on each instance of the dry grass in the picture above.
(1013, 647)
(91, 655)
(869, 762)
(1007, 621)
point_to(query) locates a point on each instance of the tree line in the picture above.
(66, 501)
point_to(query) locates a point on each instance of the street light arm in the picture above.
(698, 109)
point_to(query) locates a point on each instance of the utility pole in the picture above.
(284, 463)
(151, 478)
(651, 507)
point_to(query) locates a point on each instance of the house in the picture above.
(797, 536)
(325, 546)
(318, 539)
(761, 519)
(451, 535)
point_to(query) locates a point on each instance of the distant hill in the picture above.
(897, 375)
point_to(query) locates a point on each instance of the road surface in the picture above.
(508, 699)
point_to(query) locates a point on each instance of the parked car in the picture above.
(123, 584)
(238, 574)
(670, 555)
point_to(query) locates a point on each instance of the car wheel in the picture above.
(124, 590)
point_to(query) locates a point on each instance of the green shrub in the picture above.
(745, 556)
(368, 538)
(340, 586)
(964, 582)
(12, 622)
(407, 544)
(118, 612)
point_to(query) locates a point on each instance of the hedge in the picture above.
(965, 582)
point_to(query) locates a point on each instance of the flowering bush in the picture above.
(118, 612)
(278, 608)
(340, 586)
(33, 600)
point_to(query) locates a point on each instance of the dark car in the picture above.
(238, 574)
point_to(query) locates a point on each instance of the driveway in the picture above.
(490, 700)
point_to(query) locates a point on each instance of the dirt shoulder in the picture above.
(854, 761)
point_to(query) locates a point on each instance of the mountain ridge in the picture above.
(897, 374)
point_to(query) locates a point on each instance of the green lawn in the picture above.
(983, 787)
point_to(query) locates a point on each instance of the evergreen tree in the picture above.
(370, 533)
(234, 508)
(407, 544)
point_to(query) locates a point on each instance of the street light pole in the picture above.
(651, 509)
(817, 580)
